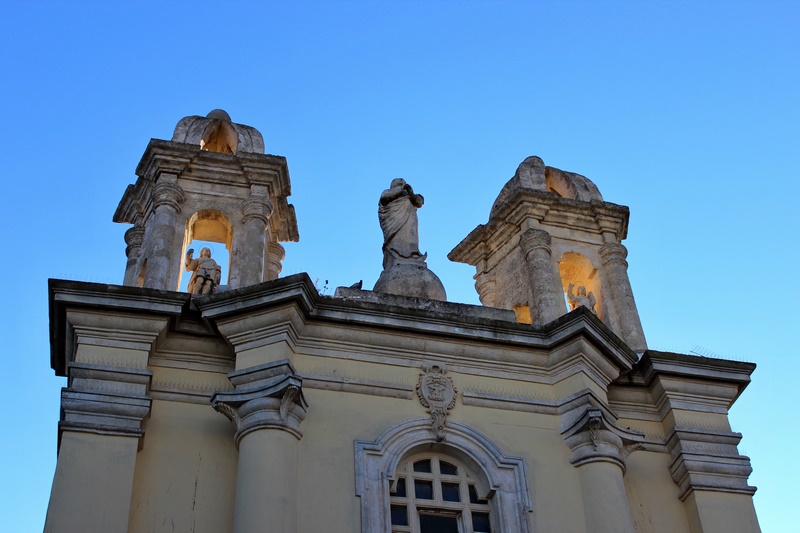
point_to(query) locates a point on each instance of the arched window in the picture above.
(439, 486)
(437, 494)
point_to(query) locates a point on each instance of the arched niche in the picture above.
(208, 225)
(220, 136)
(578, 270)
(500, 479)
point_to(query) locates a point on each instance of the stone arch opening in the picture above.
(578, 271)
(206, 228)
(557, 183)
(493, 472)
(220, 136)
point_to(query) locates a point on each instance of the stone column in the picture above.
(547, 304)
(267, 407)
(162, 262)
(275, 255)
(599, 448)
(613, 256)
(249, 244)
(101, 428)
(133, 238)
(486, 286)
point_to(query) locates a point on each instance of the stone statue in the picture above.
(397, 212)
(581, 299)
(206, 273)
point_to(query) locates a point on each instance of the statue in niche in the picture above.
(397, 212)
(581, 298)
(206, 273)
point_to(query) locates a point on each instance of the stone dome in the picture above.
(533, 175)
(228, 136)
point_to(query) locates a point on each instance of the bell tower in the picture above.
(211, 182)
(551, 243)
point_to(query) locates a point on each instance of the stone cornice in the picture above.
(654, 365)
(550, 210)
(67, 296)
(417, 316)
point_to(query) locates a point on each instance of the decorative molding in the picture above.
(438, 395)
(105, 400)
(708, 460)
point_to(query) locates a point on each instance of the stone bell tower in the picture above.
(550, 235)
(211, 182)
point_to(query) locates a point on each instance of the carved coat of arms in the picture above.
(438, 395)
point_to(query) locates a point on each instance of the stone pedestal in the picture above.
(411, 279)
(267, 408)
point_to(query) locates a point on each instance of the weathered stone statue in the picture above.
(404, 270)
(206, 273)
(581, 298)
(397, 212)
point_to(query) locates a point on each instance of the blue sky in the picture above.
(685, 111)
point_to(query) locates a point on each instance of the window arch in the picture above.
(499, 481)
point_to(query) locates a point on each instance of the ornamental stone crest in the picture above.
(438, 395)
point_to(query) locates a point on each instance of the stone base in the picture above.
(411, 279)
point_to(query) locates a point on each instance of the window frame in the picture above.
(499, 478)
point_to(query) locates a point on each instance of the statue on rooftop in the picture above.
(206, 273)
(397, 212)
(581, 298)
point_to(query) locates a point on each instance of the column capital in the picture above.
(134, 238)
(613, 252)
(257, 207)
(593, 436)
(486, 286)
(534, 239)
(268, 396)
(168, 194)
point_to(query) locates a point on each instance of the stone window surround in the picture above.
(500, 478)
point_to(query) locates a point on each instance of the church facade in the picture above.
(260, 405)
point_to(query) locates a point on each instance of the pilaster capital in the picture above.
(257, 207)
(532, 240)
(268, 396)
(593, 436)
(105, 400)
(168, 194)
(613, 252)
(708, 459)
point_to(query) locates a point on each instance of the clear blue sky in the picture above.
(685, 111)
